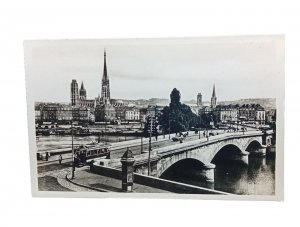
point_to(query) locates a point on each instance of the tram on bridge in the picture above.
(85, 154)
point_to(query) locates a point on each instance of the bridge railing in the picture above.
(179, 147)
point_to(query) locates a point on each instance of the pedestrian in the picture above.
(60, 159)
(47, 156)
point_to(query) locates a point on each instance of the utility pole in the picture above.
(169, 125)
(73, 155)
(142, 137)
(105, 129)
(155, 123)
(150, 145)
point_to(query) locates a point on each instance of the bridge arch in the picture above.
(182, 165)
(176, 161)
(189, 167)
(229, 152)
(255, 146)
(254, 142)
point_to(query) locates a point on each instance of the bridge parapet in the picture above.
(182, 147)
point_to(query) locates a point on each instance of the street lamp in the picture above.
(169, 125)
(150, 145)
(142, 137)
(150, 117)
(105, 129)
(73, 155)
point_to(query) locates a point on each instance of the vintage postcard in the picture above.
(165, 118)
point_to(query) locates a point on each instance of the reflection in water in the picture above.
(258, 178)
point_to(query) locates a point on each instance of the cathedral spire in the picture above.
(82, 86)
(82, 92)
(213, 103)
(214, 92)
(105, 77)
(105, 90)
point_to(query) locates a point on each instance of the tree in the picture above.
(177, 117)
(175, 96)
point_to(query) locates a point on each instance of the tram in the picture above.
(85, 154)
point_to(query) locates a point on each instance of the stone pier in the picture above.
(242, 157)
(207, 172)
(261, 151)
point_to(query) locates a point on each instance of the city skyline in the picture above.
(134, 68)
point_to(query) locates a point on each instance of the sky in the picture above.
(240, 67)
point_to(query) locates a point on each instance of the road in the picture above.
(118, 149)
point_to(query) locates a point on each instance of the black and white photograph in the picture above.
(163, 117)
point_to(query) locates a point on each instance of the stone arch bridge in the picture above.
(234, 146)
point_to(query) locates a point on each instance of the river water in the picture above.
(258, 178)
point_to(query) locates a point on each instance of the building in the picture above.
(260, 115)
(81, 114)
(49, 112)
(271, 116)
(226, 113)
(105, 111)
(120, 107)
(252, 113)
(62, 113)
(143, 114)
(199, 100)
(132, 114)
(74, 93)
(213, 102)
(79, 97)
(37, 112)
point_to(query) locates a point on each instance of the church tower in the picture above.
(82, 92)
(74, 93)
(105, 90)
(105, 111)
(213, 103)
(199, 100)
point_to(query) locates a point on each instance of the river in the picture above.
(258, 178)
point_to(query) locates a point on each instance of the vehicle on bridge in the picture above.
(85, 154)
(180, 138)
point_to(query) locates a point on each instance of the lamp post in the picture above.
(73, 155)
(150, 145)
(142, 137)
(169, 125)
(105, 128)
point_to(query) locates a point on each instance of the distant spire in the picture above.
(214, 92)
(105, 91)
(104, 68)
(213, 102)
(82, 86)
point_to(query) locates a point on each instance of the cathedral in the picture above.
(78, 97)
(105, 111)
(102, 107)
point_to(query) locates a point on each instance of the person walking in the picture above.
(60, 159)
